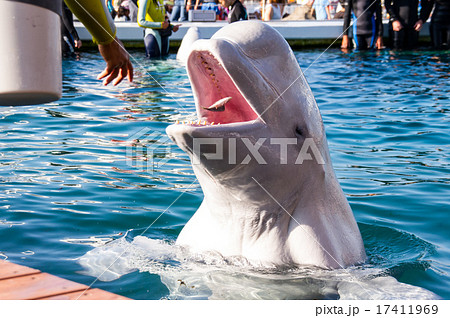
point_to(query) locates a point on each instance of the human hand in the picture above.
(165, 24)
(176, 27)
(118, 65)
(78, 43)
(396, 25)
(418, 26)
(379, 44)
(345, 43)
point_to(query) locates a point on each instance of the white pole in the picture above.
(30, 54)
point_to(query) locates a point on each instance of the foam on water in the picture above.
(212, 276)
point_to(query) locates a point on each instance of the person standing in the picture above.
(440, 22)
(69, 35)
(322, 9)
(367, 25)
(152, 17)
(403, 18)
(133, 7)
(237, 10)
(211, 5)
(271, 10)
(178, 11)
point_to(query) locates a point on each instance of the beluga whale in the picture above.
(260, 154)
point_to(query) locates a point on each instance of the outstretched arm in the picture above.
(97, 20)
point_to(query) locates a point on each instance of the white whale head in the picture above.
(271, 193)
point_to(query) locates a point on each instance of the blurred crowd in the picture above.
(406, 17)
(126, 10)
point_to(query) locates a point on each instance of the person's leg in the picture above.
(151, 46)
(447, 30)
(183, 13)
(175, 13)
(411, 38)
(399, 39)
(362, 42)
(165, 46)
(133, 11)
(436, 35)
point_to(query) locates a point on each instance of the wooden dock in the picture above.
(20, 282)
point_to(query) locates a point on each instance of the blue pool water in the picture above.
(73, 179)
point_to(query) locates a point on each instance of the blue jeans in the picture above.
(178, 12)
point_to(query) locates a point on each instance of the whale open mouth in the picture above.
(218, 100)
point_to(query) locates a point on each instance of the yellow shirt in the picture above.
(151, 15)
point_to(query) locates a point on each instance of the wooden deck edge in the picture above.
(19, 282)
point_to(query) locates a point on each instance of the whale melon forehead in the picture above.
(255, 38)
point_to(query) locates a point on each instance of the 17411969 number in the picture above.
(407, 309)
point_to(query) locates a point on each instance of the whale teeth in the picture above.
(218, 106)
(199, 122)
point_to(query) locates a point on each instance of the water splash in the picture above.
(212, 276)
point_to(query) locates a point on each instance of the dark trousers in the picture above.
(406, 38)
(364, 42)
(152, 48)
(440, 35)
